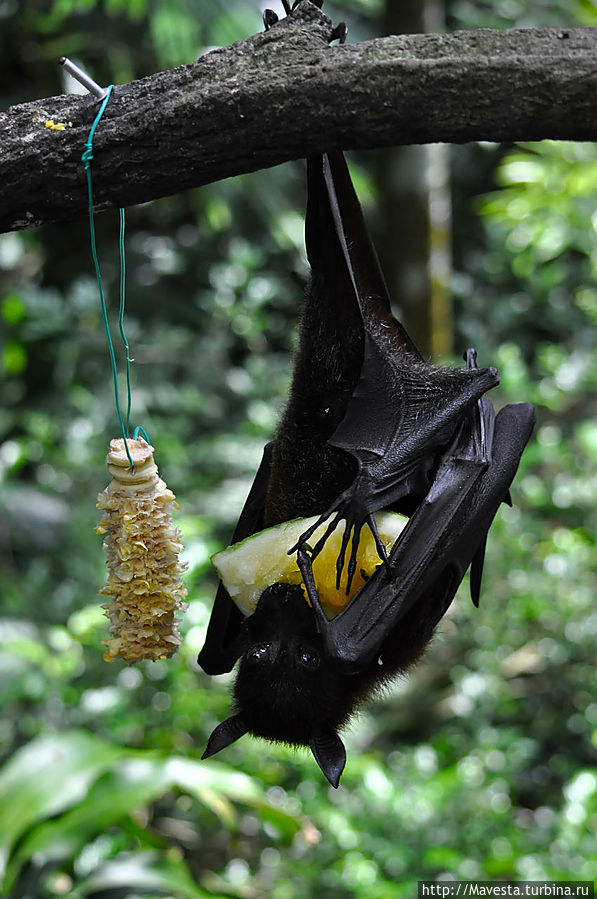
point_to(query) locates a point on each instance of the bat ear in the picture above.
(229, 731)
(330, 755)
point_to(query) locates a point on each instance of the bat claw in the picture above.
(311, 530)
(381, 549)
(269, 18)
(329, 530)
(380, 546)
(342, 554)
(302, 541)
(340, 33)
(470, 357)
(352, 564)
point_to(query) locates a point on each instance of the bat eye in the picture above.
(258, 654)
(307, 658)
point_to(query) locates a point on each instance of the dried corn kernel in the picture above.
(142, 546)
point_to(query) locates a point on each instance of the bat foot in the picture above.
(270, 18)
(288, 8)
(339, 32)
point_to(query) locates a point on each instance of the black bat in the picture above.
(369, 425)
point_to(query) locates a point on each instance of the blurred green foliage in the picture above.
(481, 764)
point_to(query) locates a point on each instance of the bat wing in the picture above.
(333, 208)
(397, 419)
(447, 531)
(221, 649)
(402, 412)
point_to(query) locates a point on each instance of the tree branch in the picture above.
(285, 94)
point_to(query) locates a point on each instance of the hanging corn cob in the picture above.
(143, 546)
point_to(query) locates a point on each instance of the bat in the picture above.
(369, 426)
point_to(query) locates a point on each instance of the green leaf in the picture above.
(14, 358)
(12, 309)
(50, 774)
(213, 783)
(131, 783)
(134, 782)
(145, 871)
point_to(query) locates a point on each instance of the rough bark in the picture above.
(286, 93)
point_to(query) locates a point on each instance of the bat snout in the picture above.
(282, 608)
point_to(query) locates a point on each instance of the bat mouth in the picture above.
(282, 610)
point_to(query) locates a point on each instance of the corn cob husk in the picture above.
(142, 546)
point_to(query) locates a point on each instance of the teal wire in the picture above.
(143, 432)
(88, 153)
(86, 158)
(121, 321)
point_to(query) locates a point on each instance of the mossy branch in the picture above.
(285, 94)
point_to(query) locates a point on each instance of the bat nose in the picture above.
(283, 609)
(281, 598)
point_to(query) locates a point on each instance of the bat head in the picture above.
(286, 689)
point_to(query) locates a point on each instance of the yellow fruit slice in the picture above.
(249, 567)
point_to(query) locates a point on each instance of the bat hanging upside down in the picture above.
(369, 426)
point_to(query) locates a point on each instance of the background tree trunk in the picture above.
(416, 208)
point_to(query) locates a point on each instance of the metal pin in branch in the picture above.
(79, 75)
